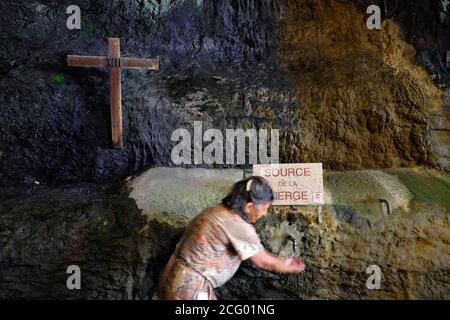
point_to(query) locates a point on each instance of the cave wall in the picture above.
(121, 240)
(59, 130)
(341, 94)
(119, 251)
(310, 68)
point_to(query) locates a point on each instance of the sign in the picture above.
(293, 183)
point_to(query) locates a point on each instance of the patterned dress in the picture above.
(208, 255)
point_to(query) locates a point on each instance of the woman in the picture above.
(217, 240)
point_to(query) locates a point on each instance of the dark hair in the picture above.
(258, 192)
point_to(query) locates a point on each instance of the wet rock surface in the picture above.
(120, 253)
(194, 189)
(121, 249)
(55, 119)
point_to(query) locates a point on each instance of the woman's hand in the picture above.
(270, 262)
(297, 264)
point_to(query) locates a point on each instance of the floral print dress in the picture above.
(207, 255)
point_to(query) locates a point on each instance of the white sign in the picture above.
(293, 183)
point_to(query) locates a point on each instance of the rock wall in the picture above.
(122, 248)
(119, 252)
(359, 94)
(407, 239)
(55, 120)
(310, 68)
(340, 94)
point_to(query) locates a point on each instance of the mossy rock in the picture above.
(427, 186)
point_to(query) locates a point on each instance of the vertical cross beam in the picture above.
(115, 92)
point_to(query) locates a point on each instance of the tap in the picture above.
(294, 242)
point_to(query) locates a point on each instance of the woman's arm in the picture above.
(267, 261)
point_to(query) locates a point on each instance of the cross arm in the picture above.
(87, 61)
(102, 62)
(138, 63)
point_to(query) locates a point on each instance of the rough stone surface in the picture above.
(120, 252)
(121, 249)
(310, 68)
(341, 239)
(193, 189)
(412, 253)
(341, 94)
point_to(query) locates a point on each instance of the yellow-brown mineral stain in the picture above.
(362, 101)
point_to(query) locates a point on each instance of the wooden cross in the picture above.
(114, 62)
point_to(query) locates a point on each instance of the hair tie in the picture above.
(249, 184)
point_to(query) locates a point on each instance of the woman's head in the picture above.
(250, 198)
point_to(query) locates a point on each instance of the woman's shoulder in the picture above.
(223, 214)
(217, 209)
